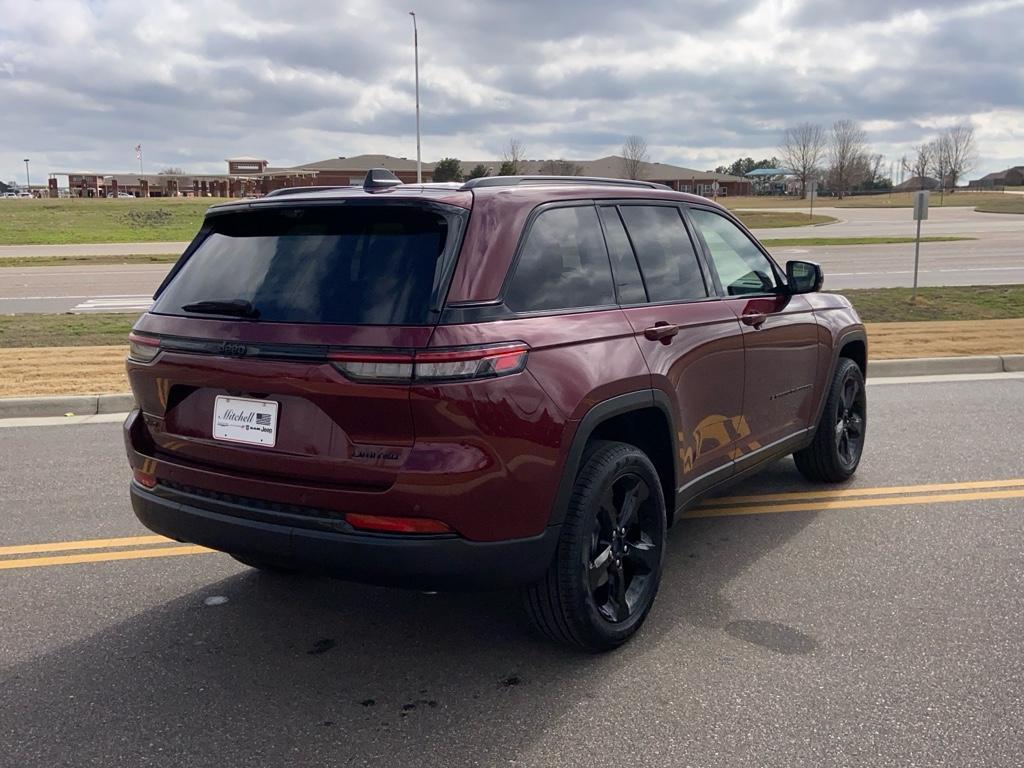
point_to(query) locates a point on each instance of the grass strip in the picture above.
(972, 302)
(75, 261)
(883, 240)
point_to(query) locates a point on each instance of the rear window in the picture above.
(346, 265)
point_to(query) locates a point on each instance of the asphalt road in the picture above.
(995, 257)
(887, 630)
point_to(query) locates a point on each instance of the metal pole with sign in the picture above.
(920, 213)
(812, 192)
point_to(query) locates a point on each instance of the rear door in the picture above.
(312, 311)
(690, 339)
(779, 330)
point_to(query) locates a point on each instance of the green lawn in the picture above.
(1002, 204)
(54, 222)
(976, 302)
(768, 220)
(781, 241)
(71, 261)
(65, 330)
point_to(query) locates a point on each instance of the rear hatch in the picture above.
(258, 337)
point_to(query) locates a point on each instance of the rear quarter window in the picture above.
(563, 263)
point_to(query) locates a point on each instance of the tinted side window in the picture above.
(666, 255)
(563, 263)
(624, 266)
(741, 266)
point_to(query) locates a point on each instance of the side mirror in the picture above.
(803, 277)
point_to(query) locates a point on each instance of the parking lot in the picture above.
(881, 623)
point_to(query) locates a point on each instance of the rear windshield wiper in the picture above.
(235, 307)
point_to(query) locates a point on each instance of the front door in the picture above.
(691, 341)
(780, 333)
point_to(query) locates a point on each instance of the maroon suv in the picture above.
(512, 382)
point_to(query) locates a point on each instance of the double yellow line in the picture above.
(93, 551)
(144, 547)
(859, 498)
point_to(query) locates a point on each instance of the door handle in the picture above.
(755, 319)
(661, 331)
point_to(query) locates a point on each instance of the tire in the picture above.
(838, 443)
(602, 582)
(262, 565)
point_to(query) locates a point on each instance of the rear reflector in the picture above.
(145, 479)
(142, 348)
(433, 365)
(396, 524)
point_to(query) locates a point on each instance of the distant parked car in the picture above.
(25, 195)
(9, 195)
(125, 196)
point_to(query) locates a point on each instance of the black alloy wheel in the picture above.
(605, 574)
(624, 549)
(838, 442)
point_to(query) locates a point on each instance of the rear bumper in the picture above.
(417, 562)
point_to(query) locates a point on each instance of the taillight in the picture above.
(144, 478)
(433, 365)
(142, 348)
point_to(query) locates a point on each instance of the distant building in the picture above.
(247, 176)
(614, 167)
(774, 181)
(1011, 177)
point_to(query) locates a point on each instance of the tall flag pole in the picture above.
(138, 156)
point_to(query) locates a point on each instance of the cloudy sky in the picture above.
(196, 81)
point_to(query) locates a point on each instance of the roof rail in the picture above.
(304, 190)
(512, 181)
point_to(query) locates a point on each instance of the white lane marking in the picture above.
(943, 378)
(47, 298)
(106, 303)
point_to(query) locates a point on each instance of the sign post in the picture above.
(920, 213)
(812, 192)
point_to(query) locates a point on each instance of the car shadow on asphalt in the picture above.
(301, 670)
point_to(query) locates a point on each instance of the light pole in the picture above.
(416, 59)
(28, 180)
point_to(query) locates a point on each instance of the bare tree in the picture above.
(634, 155)
(847, 156)
(172, 170)
(513, 155)
(958, 153)
(560, 168)
(919, 164)
(802, 150)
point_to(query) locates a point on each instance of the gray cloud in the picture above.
(198, 80)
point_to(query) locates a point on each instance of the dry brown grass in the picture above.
(98, 370)
(953, 338)
(62, 370)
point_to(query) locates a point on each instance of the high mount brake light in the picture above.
(463, 364)
(142, 348)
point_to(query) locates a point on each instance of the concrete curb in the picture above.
(89, 405)
(931, 366)
(61, 405)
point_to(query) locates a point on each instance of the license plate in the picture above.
(241, 420)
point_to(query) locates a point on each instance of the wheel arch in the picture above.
(644, 419)
(853, 344)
